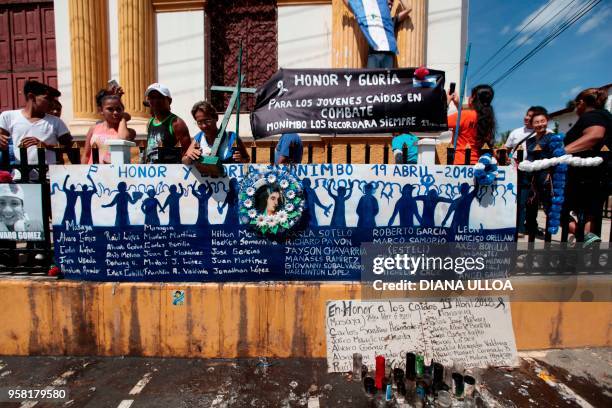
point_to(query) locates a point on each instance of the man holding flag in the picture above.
(378, 27)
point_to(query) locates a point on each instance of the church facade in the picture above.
(190, 45)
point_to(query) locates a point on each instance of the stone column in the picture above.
(136, 53)
(412, 35)
(349, 47)
(89, 56)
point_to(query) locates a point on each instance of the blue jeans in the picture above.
(380, 59)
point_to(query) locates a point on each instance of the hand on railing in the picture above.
(30, 141)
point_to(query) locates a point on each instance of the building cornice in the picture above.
(166, 6)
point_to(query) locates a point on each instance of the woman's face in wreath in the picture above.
(11, 210)
(272, 203)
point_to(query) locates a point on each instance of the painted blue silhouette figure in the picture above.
(203, 194)
(407, 208)
(430, 201)
(172, 201)
(231, 201)
(71, 198)
(367, 208)
(338, 216)
(509, 188)
(461, 207)
(149, 208)
(86, 195)
(121, 201)
(312, 200)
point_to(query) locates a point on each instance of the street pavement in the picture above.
(557, 378)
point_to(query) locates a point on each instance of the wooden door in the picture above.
(27, 49)
(252, 22)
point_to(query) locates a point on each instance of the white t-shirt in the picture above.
(516, 136)
(47, 130)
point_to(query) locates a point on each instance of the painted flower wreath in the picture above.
(271, 200)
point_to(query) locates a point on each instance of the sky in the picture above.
(579, 58)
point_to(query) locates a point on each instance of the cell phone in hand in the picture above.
(113, 84)
(451, 89)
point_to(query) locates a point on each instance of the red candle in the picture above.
(380, 371)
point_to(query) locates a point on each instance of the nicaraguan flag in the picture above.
(374, 18)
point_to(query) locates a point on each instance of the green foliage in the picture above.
(501, 138)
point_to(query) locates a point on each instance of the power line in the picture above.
(577, 16)
(519, 46)
(548, 39)
(511, 39)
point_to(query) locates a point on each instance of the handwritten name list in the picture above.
(476, 332)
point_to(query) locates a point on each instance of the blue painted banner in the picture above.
(168, 223)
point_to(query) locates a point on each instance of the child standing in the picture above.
(113, 125)
(539, 182)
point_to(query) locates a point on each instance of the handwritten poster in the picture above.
(168, 223)
(476, 332)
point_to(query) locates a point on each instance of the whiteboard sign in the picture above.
(476, 332)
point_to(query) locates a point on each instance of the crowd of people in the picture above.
(38, 124)
(586, 188)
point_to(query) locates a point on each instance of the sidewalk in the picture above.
(605, 229)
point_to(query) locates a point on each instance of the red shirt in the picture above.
(467, 135)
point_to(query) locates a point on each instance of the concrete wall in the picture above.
(565, 121)
(304, 36)
(447, 37)
(50, 317)
(180, 60)
(64, 64)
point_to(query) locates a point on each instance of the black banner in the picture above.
(349, 101)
